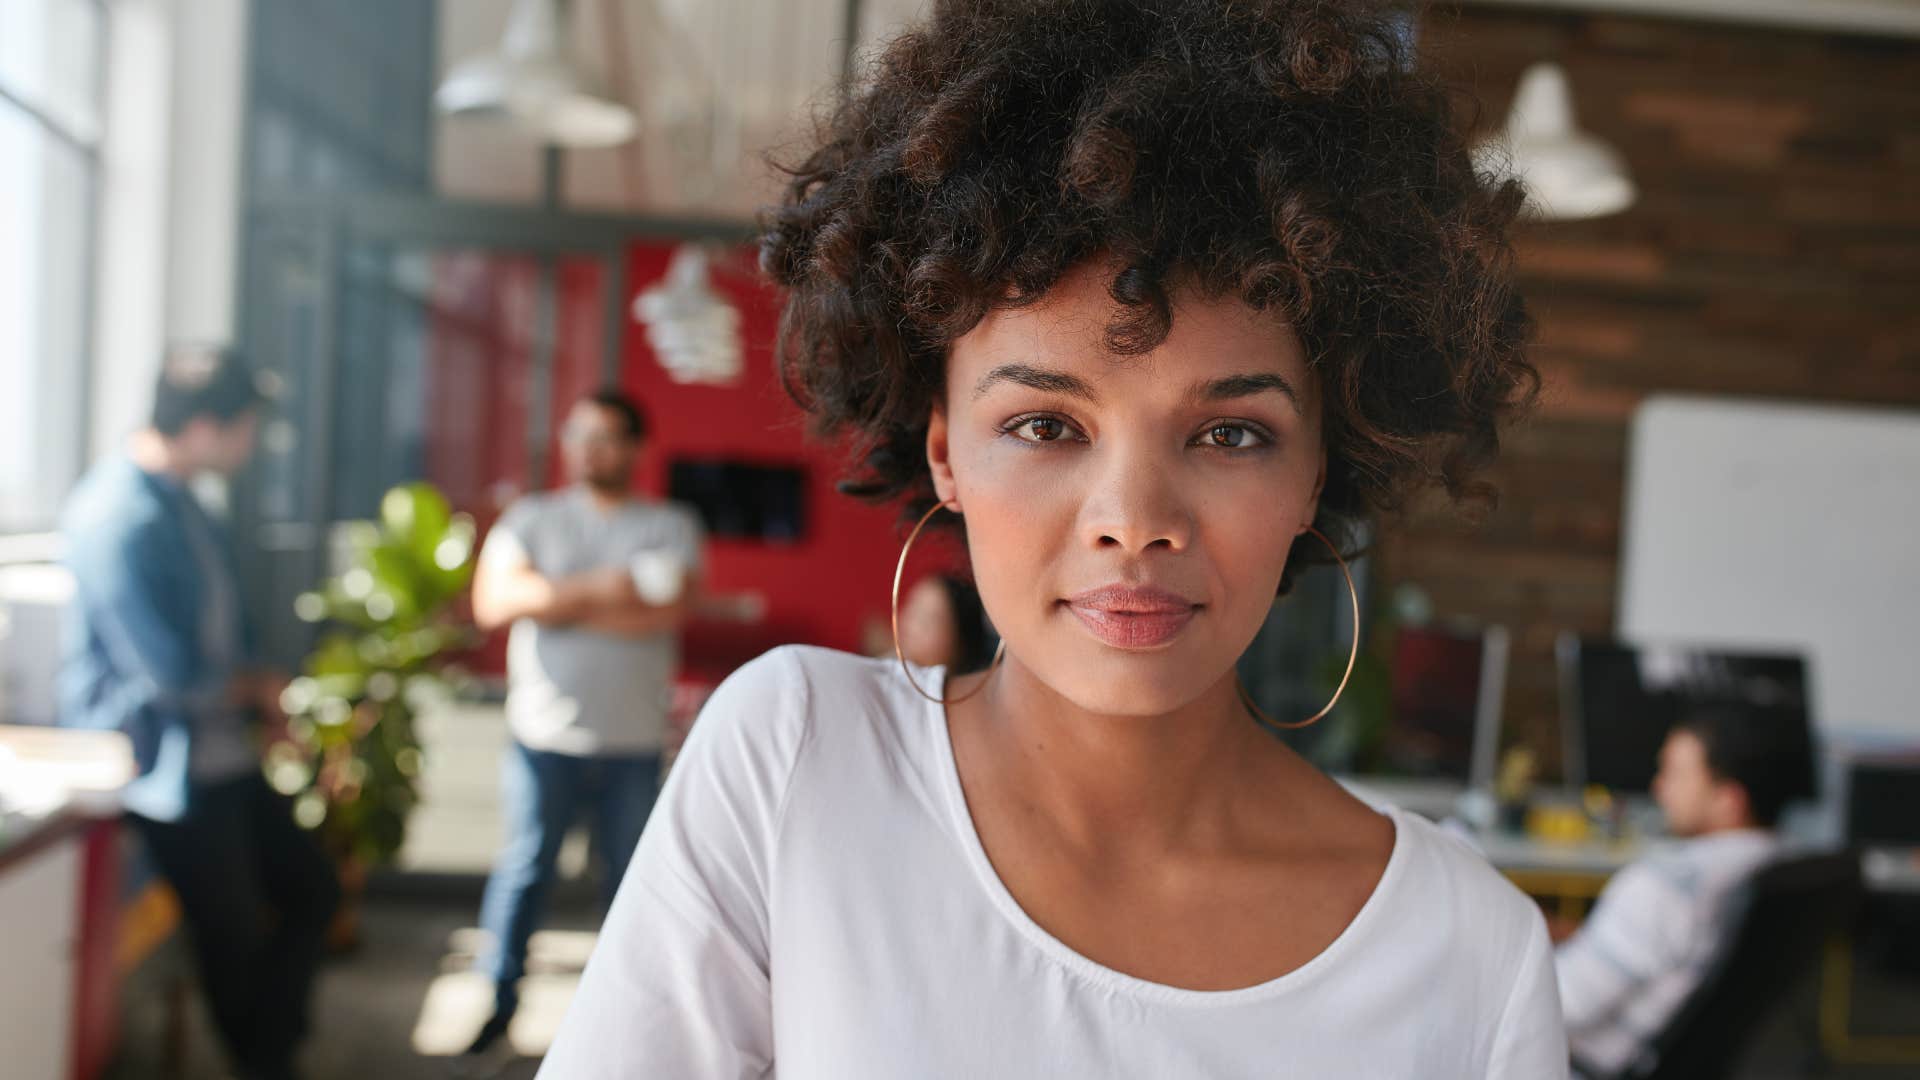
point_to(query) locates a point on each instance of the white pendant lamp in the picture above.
(1568, 174)
(534, 82)
(694, 331)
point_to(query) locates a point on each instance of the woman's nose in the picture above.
(1135, 503)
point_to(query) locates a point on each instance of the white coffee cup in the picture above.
(658, 576)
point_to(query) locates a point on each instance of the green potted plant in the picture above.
(350, 757)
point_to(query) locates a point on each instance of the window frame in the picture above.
(87, 146)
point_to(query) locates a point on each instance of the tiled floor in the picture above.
(399, 1007)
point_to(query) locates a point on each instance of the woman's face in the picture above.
(1128, 518)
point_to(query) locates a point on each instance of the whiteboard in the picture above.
(1770, 526)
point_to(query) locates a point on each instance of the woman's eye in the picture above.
(1231, 436)
(1039, 429)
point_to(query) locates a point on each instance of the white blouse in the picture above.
(810, 900)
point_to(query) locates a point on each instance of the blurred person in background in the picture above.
(595, 582)
(941, 625)
(157, 647)
(1725, 776)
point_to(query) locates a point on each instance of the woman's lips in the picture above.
(1132, 617)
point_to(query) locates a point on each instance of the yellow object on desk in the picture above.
(1557, 823)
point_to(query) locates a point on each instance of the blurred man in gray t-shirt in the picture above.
(597, 684)
(595, 583)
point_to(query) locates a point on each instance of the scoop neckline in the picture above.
(1078, 964)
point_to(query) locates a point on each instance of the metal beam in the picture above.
(431, 221)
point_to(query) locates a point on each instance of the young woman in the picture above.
(1150, 297)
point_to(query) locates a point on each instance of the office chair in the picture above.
(1782, 919)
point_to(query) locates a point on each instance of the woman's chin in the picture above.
(1134, 683)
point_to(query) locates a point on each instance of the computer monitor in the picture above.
(1883, 802)
(1433, 735)
(1447, 688)
(1618, 702)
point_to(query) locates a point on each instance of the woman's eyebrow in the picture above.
(1229, 387)
(1058, 382)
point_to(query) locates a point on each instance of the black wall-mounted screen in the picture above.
(743, 500)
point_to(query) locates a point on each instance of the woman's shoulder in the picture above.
(1490, 940)
(1449, 879)
(811, 679)
(807, 719)
(1442, 855)
(807, 691)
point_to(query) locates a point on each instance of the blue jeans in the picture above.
(542, 795)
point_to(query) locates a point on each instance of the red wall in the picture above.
(479, 343)
(820, 589)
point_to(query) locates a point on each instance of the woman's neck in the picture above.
(1106, 782)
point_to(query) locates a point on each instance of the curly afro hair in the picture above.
(1284, 152)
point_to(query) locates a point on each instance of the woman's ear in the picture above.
(1313, 501)
(939, 463)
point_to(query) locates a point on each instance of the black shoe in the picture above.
(491, 1032)
(490, 1050)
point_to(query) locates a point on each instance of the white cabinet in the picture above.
(39, 959)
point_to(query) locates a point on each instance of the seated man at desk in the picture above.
(1724, 777)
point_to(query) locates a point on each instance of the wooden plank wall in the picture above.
(1774, 252)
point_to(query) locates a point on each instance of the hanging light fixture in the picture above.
(1568, 173)
(535, 82)
(694, 331)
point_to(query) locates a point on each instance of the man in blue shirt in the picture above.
(155, 646)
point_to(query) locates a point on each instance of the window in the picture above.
(49, 161)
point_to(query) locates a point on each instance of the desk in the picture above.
(1886, 871)
(59, 898)
(1573, 874)
(1892, 871)
(1513, 853)
(1435, 799)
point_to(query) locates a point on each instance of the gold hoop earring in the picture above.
(899, 571)
(1353, 655)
